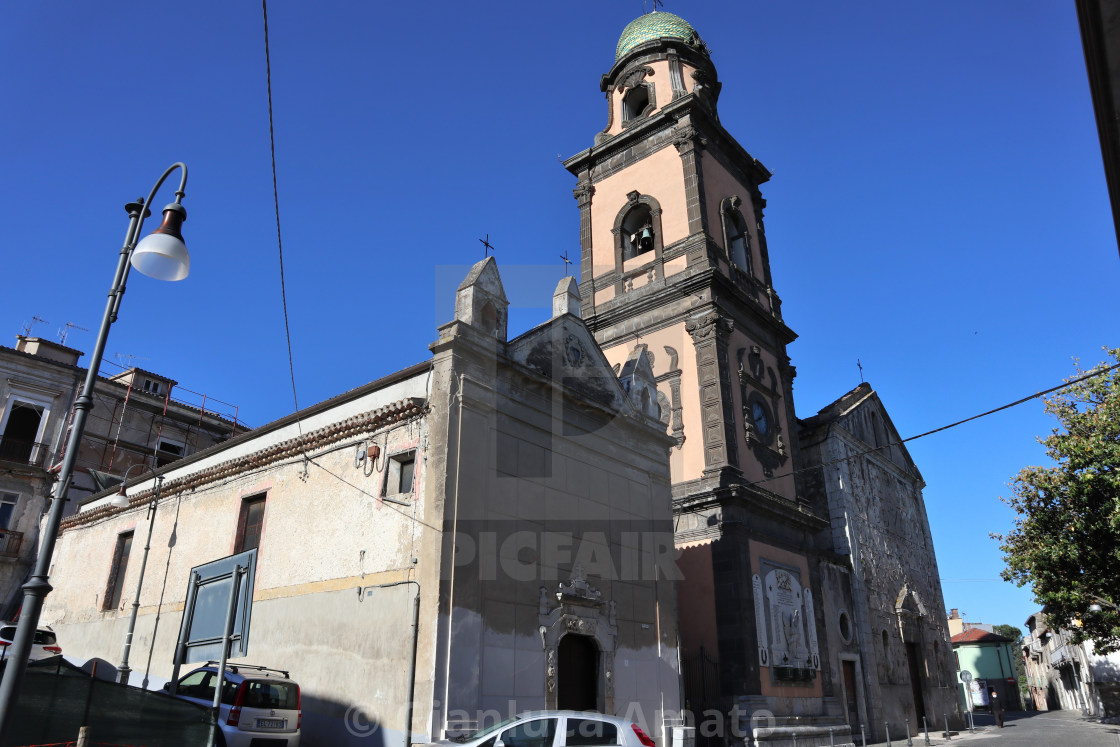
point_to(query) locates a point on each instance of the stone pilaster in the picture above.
(583, 193)
(709, 333)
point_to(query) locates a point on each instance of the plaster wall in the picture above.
(663, 94)
(345, 648)
(718, 185)
(686, 462)
(661, 176)
(551, 492)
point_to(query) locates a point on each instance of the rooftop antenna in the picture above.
(63, 332)
(121, 357)
(860, 366)
(487, 248)
(34, 320)
(567, 262)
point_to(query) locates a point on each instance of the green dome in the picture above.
(656, 25)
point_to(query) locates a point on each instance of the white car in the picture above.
(558, 729)
(43, 645)
(260, 706)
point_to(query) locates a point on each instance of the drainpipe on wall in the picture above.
(409, 707)
(454, 539)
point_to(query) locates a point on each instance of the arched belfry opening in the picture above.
(637, 232)
(577, 676)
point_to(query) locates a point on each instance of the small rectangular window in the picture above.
(402, 467)
(250, 524)
(171, 447)
(7, 509)
(117, 571)
(589, 732)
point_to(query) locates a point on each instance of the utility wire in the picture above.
(276, 202)
(1036, 395)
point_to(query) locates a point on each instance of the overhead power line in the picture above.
(276, 202)
(1091, 374)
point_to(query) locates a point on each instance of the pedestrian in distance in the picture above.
(997, 706)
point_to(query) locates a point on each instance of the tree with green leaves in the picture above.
(1066, 538)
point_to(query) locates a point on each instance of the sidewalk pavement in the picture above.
(984, 723)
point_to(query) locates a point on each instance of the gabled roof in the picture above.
(563, 349)
(836, 412)
(978, 635)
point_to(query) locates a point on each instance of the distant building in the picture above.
(135, 420)
(1064, 675)
(990, 658)
(958, 624)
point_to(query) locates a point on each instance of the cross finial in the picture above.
(567, 262)
(487, 248)
(860, 366)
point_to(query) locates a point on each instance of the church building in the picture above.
(618, 510)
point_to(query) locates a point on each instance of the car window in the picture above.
(278, 695)
(589, 731)
(536, 733)
(44, 638)
(197, 685)
(488, 730)
(229, 691)
(8, 633)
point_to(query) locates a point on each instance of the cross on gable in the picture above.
(567, 262)
(487, 248)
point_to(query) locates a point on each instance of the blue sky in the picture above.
(938, 209)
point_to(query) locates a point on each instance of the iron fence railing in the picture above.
(10, 543)
(24, 452)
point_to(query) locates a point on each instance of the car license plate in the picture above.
(270, 723)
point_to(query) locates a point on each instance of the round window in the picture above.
(845, 627)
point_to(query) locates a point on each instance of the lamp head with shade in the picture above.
(162, 254)
(120, 500)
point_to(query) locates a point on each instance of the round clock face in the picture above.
(761, 421)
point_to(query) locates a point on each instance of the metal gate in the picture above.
(702, 693)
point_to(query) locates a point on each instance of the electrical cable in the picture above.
(1091, 374)
(276, 202)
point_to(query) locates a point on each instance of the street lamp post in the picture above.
(161, 255)
(120, 500)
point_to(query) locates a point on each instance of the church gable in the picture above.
(564, 350)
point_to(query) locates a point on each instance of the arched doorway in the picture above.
(577, 680)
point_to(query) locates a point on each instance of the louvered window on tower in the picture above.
(738, 238)
(634, 103)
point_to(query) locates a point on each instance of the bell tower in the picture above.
(674, 264)
(674, 257)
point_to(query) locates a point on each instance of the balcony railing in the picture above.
(24, 452)
(10, 542)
